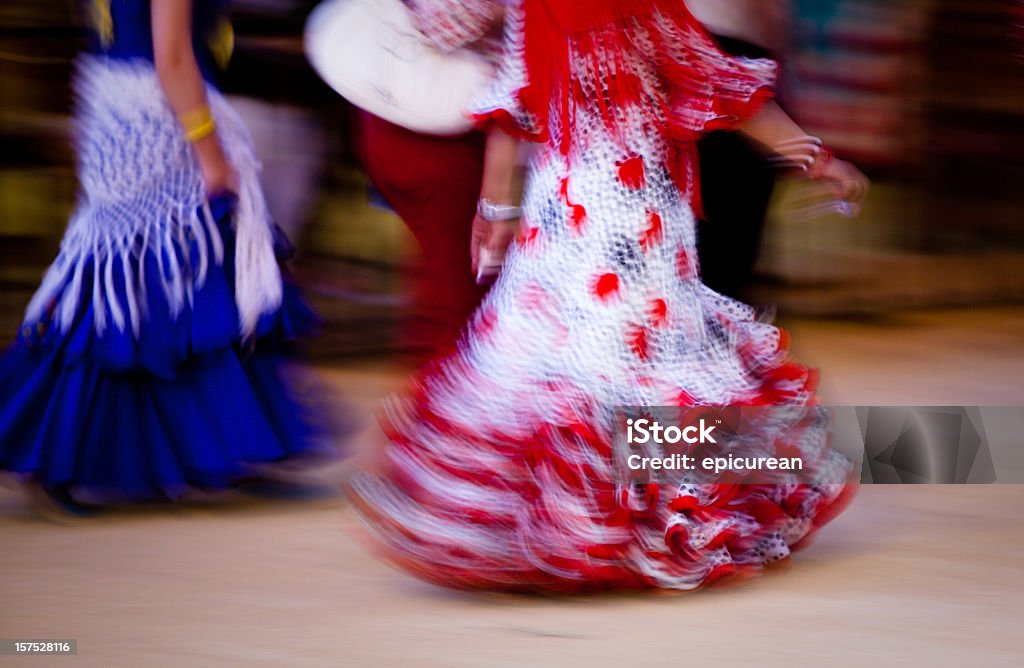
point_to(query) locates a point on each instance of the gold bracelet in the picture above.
(198, 124)
(201, 131)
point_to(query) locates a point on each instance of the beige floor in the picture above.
(927, 576)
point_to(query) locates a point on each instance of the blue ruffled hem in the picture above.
(129, 436)
(185, 404)
(166, 340)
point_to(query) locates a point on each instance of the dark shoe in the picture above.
(57, 505)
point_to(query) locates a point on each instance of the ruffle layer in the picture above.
(527, 498)
(116, 416)
(117, 437)
(544, 513)
(151, 358)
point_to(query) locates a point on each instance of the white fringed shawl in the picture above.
(142, 192)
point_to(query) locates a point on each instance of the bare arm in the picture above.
(502, 185)
(183, 85)
(501, 171)
(775, 129)
(772, 126)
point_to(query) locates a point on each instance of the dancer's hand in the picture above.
(773, 128)
(501, 186)
(488, 245)
(218, 174)
(846, 183)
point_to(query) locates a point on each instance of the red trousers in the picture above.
(433, 184)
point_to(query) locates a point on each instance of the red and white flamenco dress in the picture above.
(499, 471)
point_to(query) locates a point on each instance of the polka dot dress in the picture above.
(499, 468)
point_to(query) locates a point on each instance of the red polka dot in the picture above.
(685, 263)
(528, 236)
(652, 236)
(606, 286)
(639, 341)
(658, 312)
(631, 173)
(577, 212)
(684, 398)
(577, 218)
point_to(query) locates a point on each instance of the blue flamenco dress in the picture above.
(153, 358)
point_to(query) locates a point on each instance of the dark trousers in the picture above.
(736, 188)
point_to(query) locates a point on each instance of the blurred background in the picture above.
(916, 303)
(927, 96)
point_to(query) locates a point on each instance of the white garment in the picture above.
(500, 467)
(142, 193)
